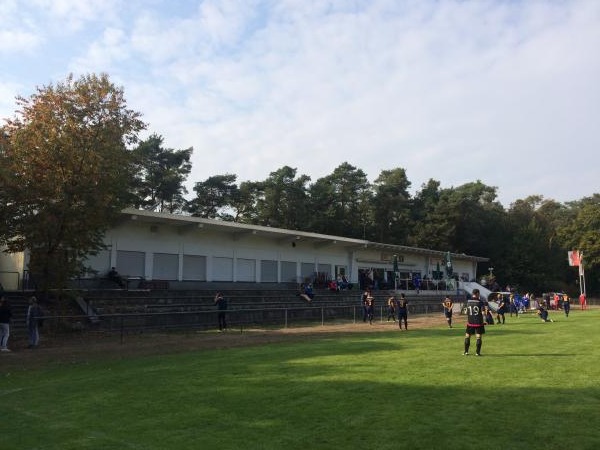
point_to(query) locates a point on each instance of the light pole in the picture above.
(491, 269)
(395, 267)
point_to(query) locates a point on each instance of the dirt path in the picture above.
(89, 347)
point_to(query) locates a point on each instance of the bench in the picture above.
(153, 284)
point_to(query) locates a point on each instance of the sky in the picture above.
(505, 92)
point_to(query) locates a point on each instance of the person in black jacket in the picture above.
(5, 316)
(34, 312)
(221, 303)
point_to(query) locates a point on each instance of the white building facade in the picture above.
(187, 250)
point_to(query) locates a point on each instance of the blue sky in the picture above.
(506, 92)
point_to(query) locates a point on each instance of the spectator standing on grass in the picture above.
(34, 312)
(5, 316)
(487, 314)
(221, 303)
(447, 304)
(513, 306)
(501, 309)
(403, 312)
(566, 304)
(475, 322)
(582, 301)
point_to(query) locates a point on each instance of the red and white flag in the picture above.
(574, 259)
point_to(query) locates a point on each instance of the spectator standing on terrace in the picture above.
(403, 312)
(447, 304)
(417, 282)
(475, 322)
(221, 303)
(5, 316)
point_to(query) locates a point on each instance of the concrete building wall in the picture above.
(157, 246)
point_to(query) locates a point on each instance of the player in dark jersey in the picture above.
(403, 312)
(370, 307)
(475, 322)
(502, 307)
(566, 304)
(447, 304)
(365, 303)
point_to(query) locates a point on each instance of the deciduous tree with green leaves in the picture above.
(66, 173)
(582, 232)
(530, 258)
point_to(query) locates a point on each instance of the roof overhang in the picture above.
(189, 224)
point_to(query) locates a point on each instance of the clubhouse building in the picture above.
(188, 252)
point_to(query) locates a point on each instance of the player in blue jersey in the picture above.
(475, 322)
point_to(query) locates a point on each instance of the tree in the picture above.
(530, 259)
(423, 205)
(340, 202)
(581, 233)
(66, 175)
(392, 206)
(213, 197)
(284, 203)
(243, 203)
(462, 219)
(159, 184)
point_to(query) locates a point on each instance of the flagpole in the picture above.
(581, 275)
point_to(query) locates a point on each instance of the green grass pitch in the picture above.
(536, 386)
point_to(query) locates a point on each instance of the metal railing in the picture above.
(237, 319)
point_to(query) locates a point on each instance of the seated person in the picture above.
(113, 275)
(308, 291)
(342, 282)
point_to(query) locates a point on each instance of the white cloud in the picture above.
(505, 92)
(15, 41)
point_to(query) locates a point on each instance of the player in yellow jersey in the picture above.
(447, 304)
